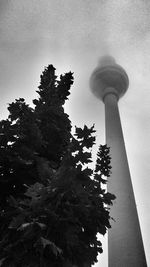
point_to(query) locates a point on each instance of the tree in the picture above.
(52, 203)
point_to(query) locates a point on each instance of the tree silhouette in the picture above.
(53, 204)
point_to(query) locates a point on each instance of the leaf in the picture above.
(34, 190)
(1, 261)
(108, 197)
(16, 221)
(42, 225)
(83, 157)
(23, 226)
(85, 132)
(89, 142)
(45, 242)
(102, 229)
(87, 171)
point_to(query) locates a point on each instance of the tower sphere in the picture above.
(109, 77)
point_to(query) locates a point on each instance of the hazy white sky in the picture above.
(72, 35)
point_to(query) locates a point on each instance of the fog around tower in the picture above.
(106, 60)
(73, 35)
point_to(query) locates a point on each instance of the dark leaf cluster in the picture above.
(53, 204)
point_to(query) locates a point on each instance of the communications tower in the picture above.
(109, 82)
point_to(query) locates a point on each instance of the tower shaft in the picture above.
(125, 244)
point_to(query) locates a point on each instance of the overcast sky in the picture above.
(72, 35)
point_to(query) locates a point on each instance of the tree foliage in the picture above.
(53, 204)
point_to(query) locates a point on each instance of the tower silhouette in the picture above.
(109, 82)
